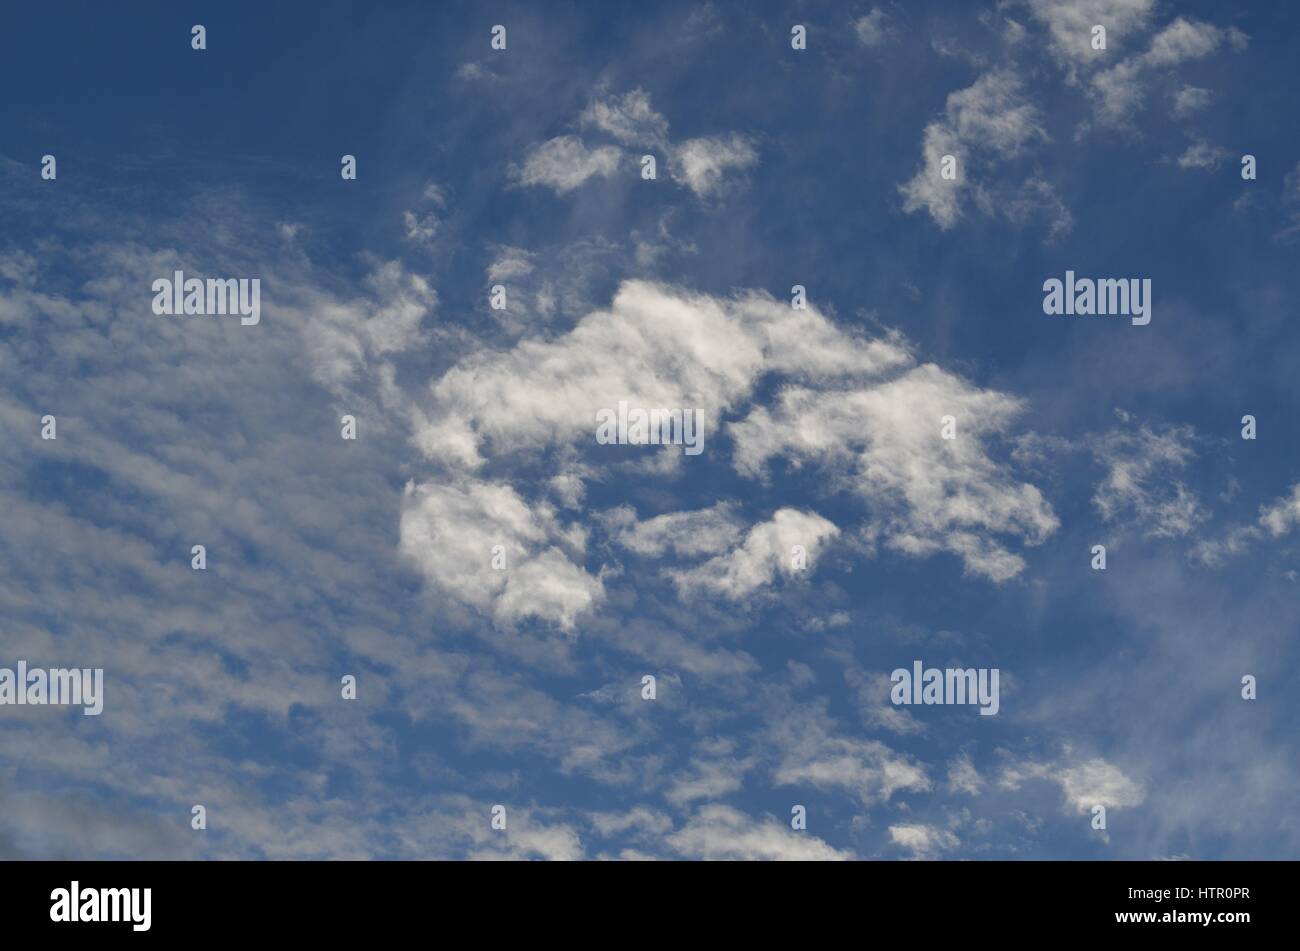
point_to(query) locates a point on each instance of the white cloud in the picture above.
(991, 119)
(720, 348)
(1276, 519)
(564, 163)
(569, 488)
(992, 115)
(702, 163)
(1137, 485)
(810, 754)
(557, 843)
(1182, 40)
(708, 779)
(630, 119)
(1098, 783)
(640, 821)
(1283, 514)
(1190, 99)
(1290, 204)
(721, 832)
(530, 834)
(422, 228)
(450, 532)
(1036, 199)
(510, 264)
(928, 190)
(766, 552)
(1202, 155)
(1116, 79)
(874, 29)
(878, 711)
(1070, 24)
(884, 440)
(271, 503)
(471, 72)
(964, 777)
(344, 338)
(923, 841)
(879, 437)
(1094, 782)
(1120, 90)
(690, 534)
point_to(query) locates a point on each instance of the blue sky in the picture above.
(775, 167)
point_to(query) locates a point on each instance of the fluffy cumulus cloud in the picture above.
(990, 121)
(720, 348)
(1087, 783)
(884, 442)
(856, 407)
(482, 543)
(1098, 783)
